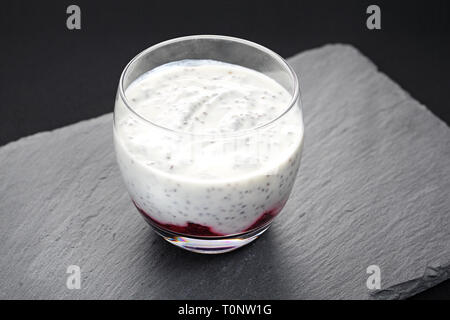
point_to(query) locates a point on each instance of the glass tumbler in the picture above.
(205, 211)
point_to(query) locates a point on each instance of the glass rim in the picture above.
(294, 79)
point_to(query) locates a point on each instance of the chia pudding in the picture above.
(210, 149)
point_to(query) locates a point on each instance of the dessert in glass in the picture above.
(208, 133)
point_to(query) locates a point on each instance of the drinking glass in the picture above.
(208, 212)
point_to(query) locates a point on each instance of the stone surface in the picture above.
(373, 188)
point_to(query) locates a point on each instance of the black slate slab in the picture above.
(373, 188)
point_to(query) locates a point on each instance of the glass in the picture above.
(210, 213)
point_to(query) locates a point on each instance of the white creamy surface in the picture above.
(214, 168)
(207, 97)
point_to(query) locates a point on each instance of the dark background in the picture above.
(51, 76)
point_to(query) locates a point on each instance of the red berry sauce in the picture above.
(195, 229)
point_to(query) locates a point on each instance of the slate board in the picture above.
(373, 188)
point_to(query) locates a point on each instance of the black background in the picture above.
(51, 76)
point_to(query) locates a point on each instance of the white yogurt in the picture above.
(216, 167)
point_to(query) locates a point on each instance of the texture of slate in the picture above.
(373, 188)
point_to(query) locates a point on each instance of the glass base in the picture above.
(209, 245)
